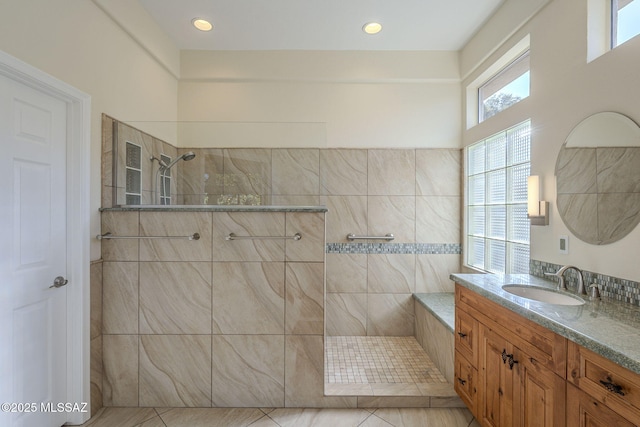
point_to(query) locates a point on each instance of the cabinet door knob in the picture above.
(461, 381)
(462, 334)
(505, 356)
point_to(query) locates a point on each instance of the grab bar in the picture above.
(194, 236)
(232, 236)
(352, 237)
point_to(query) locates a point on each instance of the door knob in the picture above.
(59, 282)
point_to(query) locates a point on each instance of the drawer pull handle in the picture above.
(615, 388)
(512, 361)
(462, 334)
(461, 381)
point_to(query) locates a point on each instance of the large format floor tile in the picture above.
(282, 417)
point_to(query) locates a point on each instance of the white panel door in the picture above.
(33, 331)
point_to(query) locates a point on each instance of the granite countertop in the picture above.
(441, 305)
(607, 327)
(214, 208)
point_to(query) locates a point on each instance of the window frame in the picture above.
(504, 71)
(614, 10)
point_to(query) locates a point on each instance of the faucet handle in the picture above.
(561, 284)
(594, 292)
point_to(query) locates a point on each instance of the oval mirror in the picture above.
(598, 178)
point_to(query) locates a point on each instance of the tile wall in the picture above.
(214, 322)
(412, 193)
(150, 146)
(415, 194)
(96, 335)
(618, 289)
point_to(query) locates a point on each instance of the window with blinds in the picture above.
(497, 226)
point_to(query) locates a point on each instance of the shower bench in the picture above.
(434, 327)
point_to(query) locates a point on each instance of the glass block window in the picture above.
(133, 174)
(506, 88)
(497, 226)
(165, 182)
(625, 21)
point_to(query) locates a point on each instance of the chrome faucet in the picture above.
(561, 282)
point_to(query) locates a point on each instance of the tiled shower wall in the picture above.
(415, 194)
(96, 335)
(412, 193)
(214, 322)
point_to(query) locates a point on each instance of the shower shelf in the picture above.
(232, 236)
(194, 236)
(352, 237)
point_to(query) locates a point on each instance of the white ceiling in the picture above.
(322, 24)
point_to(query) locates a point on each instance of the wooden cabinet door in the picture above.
(541, 394)
(585, 411)
(495, 391)
(466, 335)
(465, 379)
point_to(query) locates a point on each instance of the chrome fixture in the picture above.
(232, 236)
(109, 236)
(352, 237)
(59, 282)
(162, 170)
(562, 286)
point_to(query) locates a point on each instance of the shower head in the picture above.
(190, 155)
(160, 161)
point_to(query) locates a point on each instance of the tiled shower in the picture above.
(412, 193)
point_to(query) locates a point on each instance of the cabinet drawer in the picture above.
(607, 382)
(466, 336)
(544, 346)
(465, 379)
(585, 411)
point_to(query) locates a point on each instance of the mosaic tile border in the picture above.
(612, 287)
(394, 248)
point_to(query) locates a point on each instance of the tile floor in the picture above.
(283, 417)
(375, 366)
(381, 366)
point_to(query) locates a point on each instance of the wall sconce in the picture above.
(537, 210)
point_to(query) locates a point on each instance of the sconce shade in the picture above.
(537, 210)
(533, 195)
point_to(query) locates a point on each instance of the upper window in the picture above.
(507, 87)
(625, 20)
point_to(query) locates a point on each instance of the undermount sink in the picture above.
(548, 296)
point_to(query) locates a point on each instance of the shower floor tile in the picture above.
(380, 366)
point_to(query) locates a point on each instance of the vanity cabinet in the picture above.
(585, 411)
(519, 367)
(607, 391)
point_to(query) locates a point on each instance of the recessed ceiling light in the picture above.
(372, 27)
(202, 24)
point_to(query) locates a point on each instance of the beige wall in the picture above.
(410, 100)
(364, 99)
(76, 42)
(564, 90)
